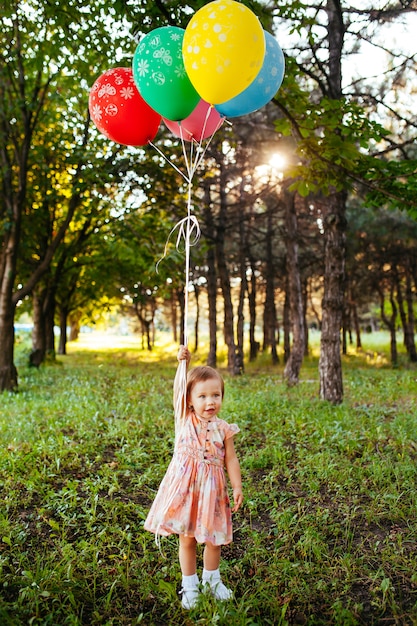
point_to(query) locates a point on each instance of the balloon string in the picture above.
(186, 159)
(187, 259)
(197, 152)
(168, 160)
(189, 231)
(192, 225)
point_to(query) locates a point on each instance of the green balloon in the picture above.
(160, 76)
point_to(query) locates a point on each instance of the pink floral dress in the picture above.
(192, 499)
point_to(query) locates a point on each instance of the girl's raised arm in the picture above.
(180, 381)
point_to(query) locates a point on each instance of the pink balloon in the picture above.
(200, 124)
(119, 111)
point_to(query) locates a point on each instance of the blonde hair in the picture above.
(201, 374)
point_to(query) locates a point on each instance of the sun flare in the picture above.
(277, 162)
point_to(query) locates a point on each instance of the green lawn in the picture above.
(327, 534)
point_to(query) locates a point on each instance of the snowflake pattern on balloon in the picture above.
(180, 71)
(127, 93)
(142, 67)
(97, 112)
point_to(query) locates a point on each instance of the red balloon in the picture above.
(119, 111)
(200, 124)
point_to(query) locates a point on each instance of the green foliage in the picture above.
(332, 136)
(67, 184)
(327, 534)
(390, 182)
(148, 15)
(352, 140)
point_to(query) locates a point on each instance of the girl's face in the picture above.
(206, 398)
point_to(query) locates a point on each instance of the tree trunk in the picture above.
(390, 322)
(181, 301)
(242, 292)
(228, 309)
(233, 363)
(356, 321)
(410, 315)
(8, 371)
(253, 344)
(287, 322)
(74, 322)
(152, 322)
(314, 309)
(413, 270)
(408, 341)
(393, 331)
(63, 322)
(211, 277)
(38, 332)
(305, 300)
(212, 306)
(43, 337)
(240, 329)
(174, 321)
(37, 355)
(270, 313)
(49, 314)
(228, 325)
(330, 364)
(334, 223)
(197, 316)
(147, 323)
(345, 328)
(294, 362)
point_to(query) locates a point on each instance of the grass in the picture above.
(327, 534)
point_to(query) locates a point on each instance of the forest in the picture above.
(298, 282)
(306, 206)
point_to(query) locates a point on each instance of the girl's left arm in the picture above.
(233, 470)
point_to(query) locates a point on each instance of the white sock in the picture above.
(190, 591)
(190, 582)
(213, 579)
(211, 576)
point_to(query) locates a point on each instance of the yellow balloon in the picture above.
(223, 50)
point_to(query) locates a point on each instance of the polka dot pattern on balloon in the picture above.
(223, 49)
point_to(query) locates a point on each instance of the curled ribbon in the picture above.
(188, 230)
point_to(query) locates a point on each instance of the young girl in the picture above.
(192, 500)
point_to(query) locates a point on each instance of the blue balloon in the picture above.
(263, 88)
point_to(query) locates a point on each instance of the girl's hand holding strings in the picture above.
(184, 354)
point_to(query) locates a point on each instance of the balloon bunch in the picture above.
(223, 65)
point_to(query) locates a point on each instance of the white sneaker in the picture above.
(218, 590)
(189, 598)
